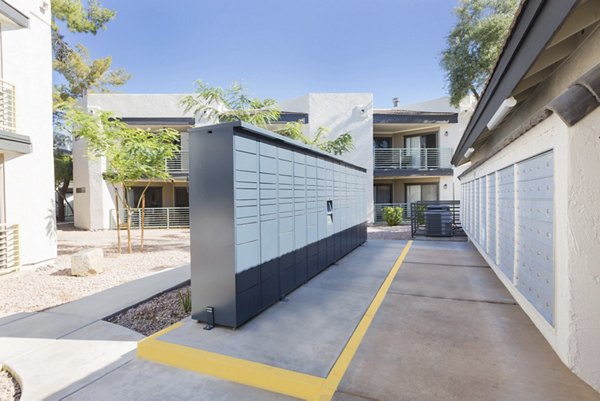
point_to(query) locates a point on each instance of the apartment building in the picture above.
(406, 151)
(412, 148)
(531, 186)
(27, 222)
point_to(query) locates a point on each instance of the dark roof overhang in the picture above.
(534, 27)
(392, 116)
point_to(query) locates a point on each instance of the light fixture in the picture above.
(445, 186)
(469, 152)
(446, 133)
(502, 111)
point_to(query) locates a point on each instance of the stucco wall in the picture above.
(583, 242)
(138, 105)
(576, 215)
(29, 179)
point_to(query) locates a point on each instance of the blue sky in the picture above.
(280, 48)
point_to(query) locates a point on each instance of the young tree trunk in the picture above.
(129, 248)
(118, 222)
(142, 222)
(62, 195)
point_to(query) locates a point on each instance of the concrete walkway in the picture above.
(70, 346)
(446, 330)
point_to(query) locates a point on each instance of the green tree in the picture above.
(63, 173)
(474, 45)
(337, 146)
(80, 75)
(131, 154)
(234, 104)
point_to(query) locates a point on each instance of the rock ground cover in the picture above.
(52, 285)
(155, 314)
(9, 387)
(389, 232)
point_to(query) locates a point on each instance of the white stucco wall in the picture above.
(583, 243)
(576, 215)
(29, 179)
(138, 105)
(343, 112)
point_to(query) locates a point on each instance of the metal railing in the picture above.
(156, 217)
(7, 106)
(436, 219)
(180, 164)
(379, 211)
(412, 158)
(10, 259)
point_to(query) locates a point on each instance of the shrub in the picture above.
(393, 215)
(421, 209)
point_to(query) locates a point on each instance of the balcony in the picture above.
(180, 164)
(7, 107)
(408, 160)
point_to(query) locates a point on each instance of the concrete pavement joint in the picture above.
(408, 262)
(453, 299)
(95, 380)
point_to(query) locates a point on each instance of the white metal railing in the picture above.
(180, 163)
(155, 217)
(10, 259)
(405, 212)
(412, 158)
(7, 106)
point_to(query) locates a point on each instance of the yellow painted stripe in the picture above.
(254, 374)
(241, 371)
(341, 365)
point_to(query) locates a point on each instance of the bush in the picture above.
(421, 209)
(393, 215)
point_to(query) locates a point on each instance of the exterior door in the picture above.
(413, 145)
(182, 198)
(153, 196)
(382, 193)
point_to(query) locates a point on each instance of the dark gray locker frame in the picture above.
(238, 297)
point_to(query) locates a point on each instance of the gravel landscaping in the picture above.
(52, 285)
(9, 387)
(155, 314)
(389, 232)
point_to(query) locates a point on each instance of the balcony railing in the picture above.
(7, 107)
(412, 158)
(156, 217)
(180, 164)
(379, 211)
(9, 248)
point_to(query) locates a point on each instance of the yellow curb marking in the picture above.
(266, 377)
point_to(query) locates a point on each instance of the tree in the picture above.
(338, 146)
(80, 73)
(474, 44)
(234, 104)
(63, 173)
(131, 154)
